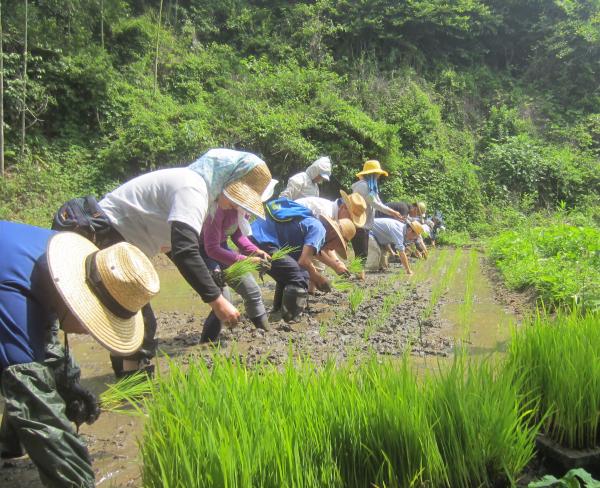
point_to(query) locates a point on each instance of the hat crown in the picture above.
(347, 229)
(371, 164)
(358, 206)
(258, 178)
(128, 275)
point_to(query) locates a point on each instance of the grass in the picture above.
(355, 298)
(560, 359)
(465, 310)
(372, 424)
(560, 261)
(441, 286)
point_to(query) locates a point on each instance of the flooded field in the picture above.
(452, 300)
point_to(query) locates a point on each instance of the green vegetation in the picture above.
(560, 261)
(569, 480)
(355, 298)
(348, 425)
(471, 106)
(560, 364)
(128, 391)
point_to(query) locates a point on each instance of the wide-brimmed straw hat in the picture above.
(104, 289)
(357, 207)
(247, 191)
(344, 231)
(421, 207)
(416, 227)
(370, 167)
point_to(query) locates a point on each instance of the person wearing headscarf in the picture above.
(164, 211)
(306, 184)
(46, 279)
(367, 186)
(218, 256)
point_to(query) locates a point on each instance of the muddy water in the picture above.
(392, 318)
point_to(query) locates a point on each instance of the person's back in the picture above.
(306, 183)
(143, 208)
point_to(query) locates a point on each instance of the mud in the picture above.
(394, 317)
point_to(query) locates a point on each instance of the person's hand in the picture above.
(341, 269)
(323, 284)
(225, 311)
(398, 215)
(262, 254)
(81, 405)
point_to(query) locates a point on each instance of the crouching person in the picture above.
(44, 277)
(395, 233)
(308, 236)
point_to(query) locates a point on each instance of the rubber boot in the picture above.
(277, 297)
(295, 301)
(261, 322)
(211, 329)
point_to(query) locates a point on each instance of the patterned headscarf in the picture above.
(220, 167)
(372, 183)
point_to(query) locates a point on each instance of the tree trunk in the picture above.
(1, 96)
(157, 45)
(24, 93)
(102, 23)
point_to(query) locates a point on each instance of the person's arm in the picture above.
(305, 261)
(329, 258)
(293, 188)
(377, 204)
(246, 247)
(213, 236)
(185, 253)
(404, 261)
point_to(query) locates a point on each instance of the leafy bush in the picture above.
(560, 261)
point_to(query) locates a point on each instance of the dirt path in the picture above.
(451, 299)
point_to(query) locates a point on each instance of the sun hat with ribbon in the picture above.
(372, 166)
(344, 230)
(104, 289)
(357, 207)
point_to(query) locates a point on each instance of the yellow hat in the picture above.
(370, 167)
(416, 227)
(105, 289)
(357, 207)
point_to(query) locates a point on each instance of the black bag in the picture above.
(85, 217)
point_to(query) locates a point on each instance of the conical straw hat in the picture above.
(104, 289)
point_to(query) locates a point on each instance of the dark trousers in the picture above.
(360, 244)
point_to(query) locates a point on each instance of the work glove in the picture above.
(82, 405)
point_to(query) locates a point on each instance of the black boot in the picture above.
(211, 329)
(295, 301)
(261, 322)
(277, 297)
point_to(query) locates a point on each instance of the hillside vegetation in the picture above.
(471, 105)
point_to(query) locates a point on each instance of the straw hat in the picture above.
(344, 231)
(357, 207)
(104, 289)
(370, 167)
(422, 208)
(247, 191)
(416, 227)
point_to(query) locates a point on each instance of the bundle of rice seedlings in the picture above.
(235, 272)
(284, 251)
(131, 390)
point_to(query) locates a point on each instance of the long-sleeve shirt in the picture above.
(215, 233)
(373, 202)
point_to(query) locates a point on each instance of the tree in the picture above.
(24, 92)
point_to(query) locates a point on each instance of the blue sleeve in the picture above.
(314, 233)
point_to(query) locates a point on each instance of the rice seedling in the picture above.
(440, 287)
(466, 307)
(368, 424)
(355, 298)
(561, 364)
(130, 390)
(355, 265)
(235, 272)
(284, 251)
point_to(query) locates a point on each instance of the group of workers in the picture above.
(97, 278)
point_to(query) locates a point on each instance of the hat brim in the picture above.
(66, 254)
(245, 197)
(341, 246)
(358, 221)
(371, 171)
(418, 230)
(325, 176)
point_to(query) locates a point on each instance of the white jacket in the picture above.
(302, 185)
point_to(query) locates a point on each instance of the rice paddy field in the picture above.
(443, 378)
